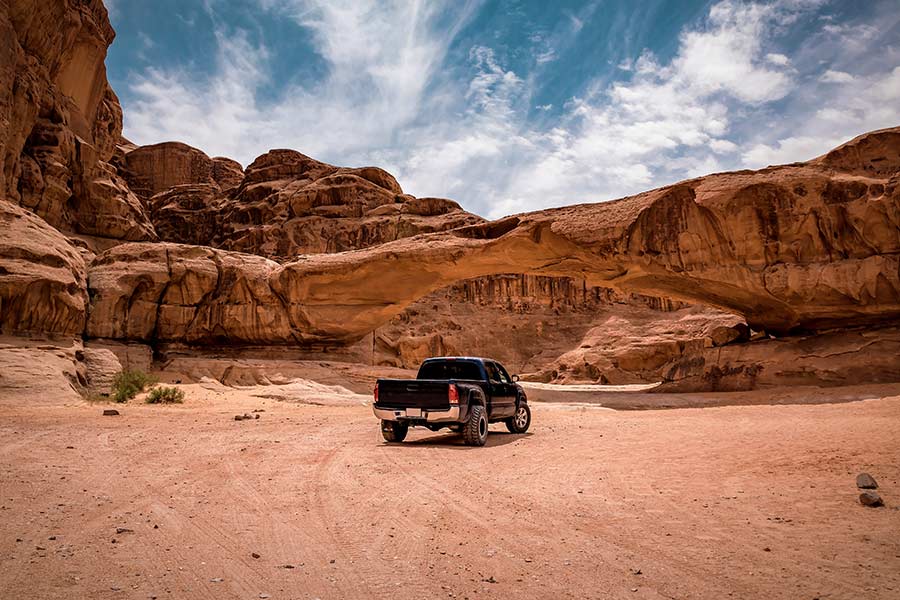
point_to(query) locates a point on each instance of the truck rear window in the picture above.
(455, 369)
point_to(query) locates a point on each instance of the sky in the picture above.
(510, 106)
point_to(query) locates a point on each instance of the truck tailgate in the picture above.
(417, 393)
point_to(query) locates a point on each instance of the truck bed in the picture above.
(417, 393)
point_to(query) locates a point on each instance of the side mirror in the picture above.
(515, 377)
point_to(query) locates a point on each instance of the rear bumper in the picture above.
(429, 415)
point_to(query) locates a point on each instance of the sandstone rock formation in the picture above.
(60, 121)
(171, 292)
(160, 167)
(798, 247)
(534, 322)
(302, 254)
(285, 203)
(43, 284)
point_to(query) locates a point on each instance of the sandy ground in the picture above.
(308, 502)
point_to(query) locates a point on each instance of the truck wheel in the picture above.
(394, 431)
(521, 421)
(476, 430)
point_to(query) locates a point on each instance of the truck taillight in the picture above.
(453, 394)
(375, 393)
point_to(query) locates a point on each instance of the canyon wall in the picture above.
(162, 244)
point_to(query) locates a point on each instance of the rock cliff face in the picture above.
(527, 322)
(799, 247)
(60, 121)
(163, 244)
(43, 285)
(160, 167)
(285, 203)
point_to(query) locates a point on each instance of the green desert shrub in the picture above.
(129, 383)
(165, 395)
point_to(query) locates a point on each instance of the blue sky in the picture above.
(511, 105)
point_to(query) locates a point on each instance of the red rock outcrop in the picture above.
(285, 203)
(527, 322)
(190, 294)
(788, 248)
(290, 204)
(42, 277)
(160, 167)
(844, 357)
(60, 121)
(792, 249)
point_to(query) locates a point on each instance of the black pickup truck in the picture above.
(461, 393)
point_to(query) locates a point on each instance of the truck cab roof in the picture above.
(475, 358)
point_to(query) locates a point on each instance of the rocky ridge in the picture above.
(164, 245)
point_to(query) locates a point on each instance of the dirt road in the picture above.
(307, 502)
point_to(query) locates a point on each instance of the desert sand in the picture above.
(308, 502)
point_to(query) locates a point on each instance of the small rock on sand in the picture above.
(864, 481)
(238, 417)
(110, 412)
(870, 499)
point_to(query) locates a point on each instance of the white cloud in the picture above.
(831, 76)
(548, 55)
(722, 146)
(789, 150)
(859, 104)
(778, 59)
(667, 122)
(727, 56)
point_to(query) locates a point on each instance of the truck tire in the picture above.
(521, 421)
(394, 431)
(476, 428)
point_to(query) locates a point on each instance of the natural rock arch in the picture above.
(807, 246)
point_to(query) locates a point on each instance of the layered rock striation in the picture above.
(285, 203)
(60, 121)
(798, 247)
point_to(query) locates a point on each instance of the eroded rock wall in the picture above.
(800, 247)
(43, 285)
(294, 251)
(60, 121)
(285, 203)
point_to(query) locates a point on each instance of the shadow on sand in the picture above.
(455, 440)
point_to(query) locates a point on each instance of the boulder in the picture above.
(728, 334)
(871, 499)
(864, 481)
